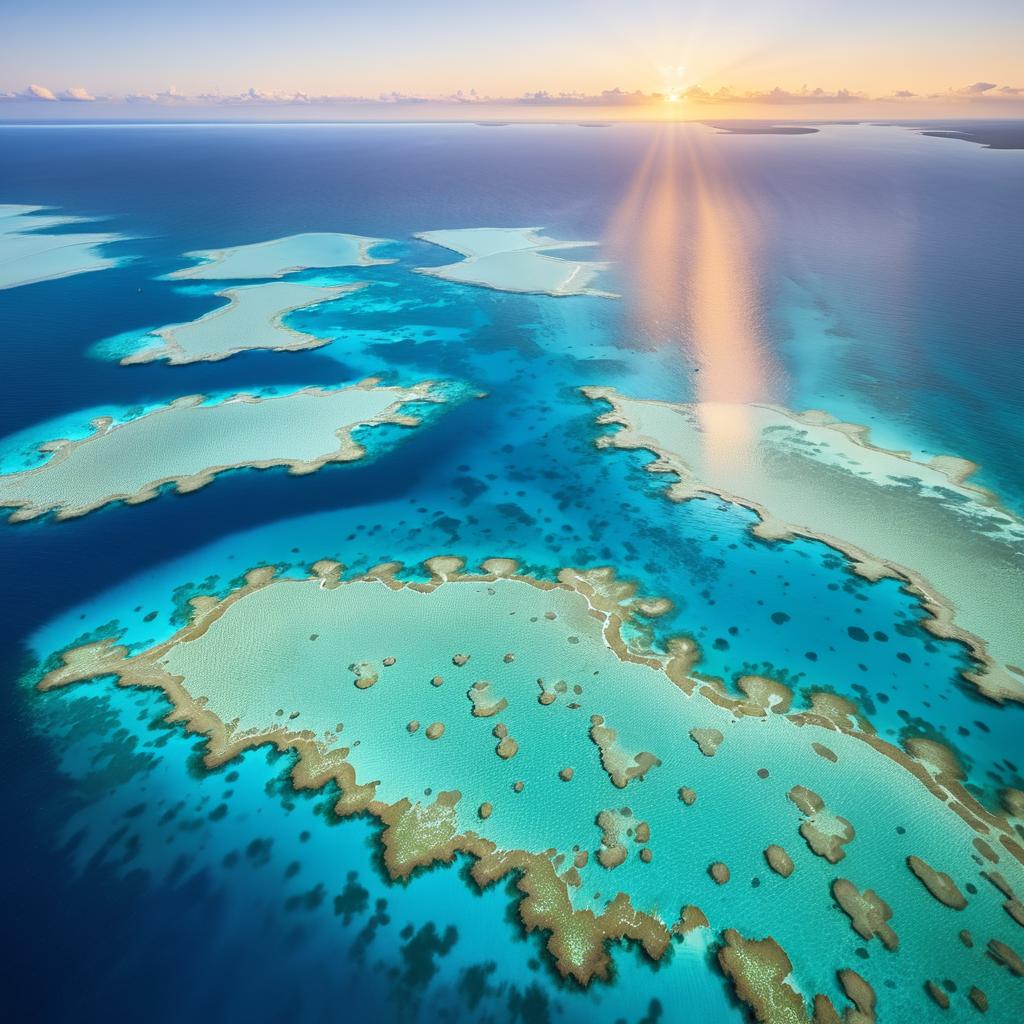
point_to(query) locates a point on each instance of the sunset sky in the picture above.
(534, 59)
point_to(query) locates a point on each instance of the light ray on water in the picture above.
(692, 237)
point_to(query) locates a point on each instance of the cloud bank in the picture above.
(977, 95)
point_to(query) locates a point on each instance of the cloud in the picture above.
(608, 98)
(773, 97)
(977, 88)
(982, 93)
(387, 97)
(38, 92)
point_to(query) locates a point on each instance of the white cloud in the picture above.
(39, 92)
(979, 93)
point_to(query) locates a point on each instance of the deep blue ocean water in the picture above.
(881, 273)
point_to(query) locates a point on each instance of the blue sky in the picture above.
(343, 48)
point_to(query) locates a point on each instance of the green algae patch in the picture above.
(514, 260)
(591, 870)
(188, 442)
(808, 475)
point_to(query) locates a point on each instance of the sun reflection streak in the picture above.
(688, 238)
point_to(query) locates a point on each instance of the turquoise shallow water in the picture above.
(882, 290)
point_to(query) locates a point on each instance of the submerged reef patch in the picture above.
(245, 656)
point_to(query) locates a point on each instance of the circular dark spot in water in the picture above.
(880, 636)
(755, 882)
(780, 618)
(720, 644)
(862, 952)
(811, 656)
(900, 830)
(762, 773)
(858, 634)
(971, 888)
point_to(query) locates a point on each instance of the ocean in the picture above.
(866, 271)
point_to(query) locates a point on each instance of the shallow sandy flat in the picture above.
(280, 256)
(188, 443)
(253, 318)
(514, 260)
(26, 256)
